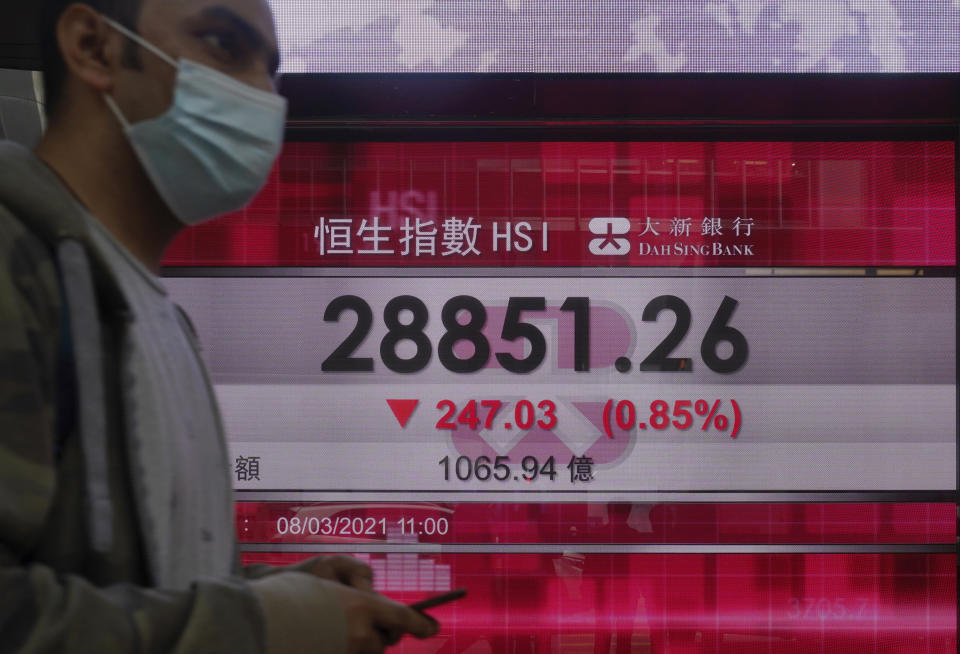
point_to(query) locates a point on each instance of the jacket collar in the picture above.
(33, 193)
(37, 197)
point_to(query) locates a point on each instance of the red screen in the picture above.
(574, 572)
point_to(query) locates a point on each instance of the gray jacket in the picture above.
(74, 571)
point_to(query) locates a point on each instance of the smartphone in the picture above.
(438, 600)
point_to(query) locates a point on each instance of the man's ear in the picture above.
(91, 50)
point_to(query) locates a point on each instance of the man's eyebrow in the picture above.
(250, 33)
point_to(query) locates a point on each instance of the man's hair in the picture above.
(125, 12)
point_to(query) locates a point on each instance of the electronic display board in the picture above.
(552, 371)
(615, 36)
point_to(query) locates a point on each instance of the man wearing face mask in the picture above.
(116, 528)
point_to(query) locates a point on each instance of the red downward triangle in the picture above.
(403, 409)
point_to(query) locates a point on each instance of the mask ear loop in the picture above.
(116, 111)
(139, 40)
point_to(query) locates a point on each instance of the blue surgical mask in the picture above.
(213, 150)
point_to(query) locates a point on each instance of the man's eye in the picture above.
(222, 41)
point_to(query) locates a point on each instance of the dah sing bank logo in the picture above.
(613, 234)
(678, 237)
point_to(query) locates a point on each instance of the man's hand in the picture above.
(375, 622)
(345, 569)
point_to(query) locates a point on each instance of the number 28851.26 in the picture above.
(515, 329)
